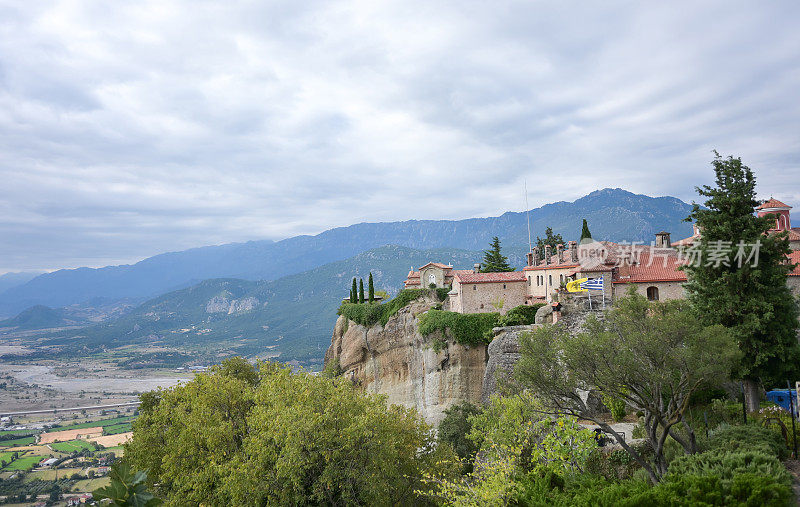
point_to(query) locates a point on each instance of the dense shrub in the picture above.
(689, 490)
(465, 328)
(520, 315)
(454, 429)
(749, 437)
(366, 314)
(725, 465)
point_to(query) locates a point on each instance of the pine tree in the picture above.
(753, 301)
(360, 290)
(371, 288)
(493, 260)
(550, 239)
(353, 292)
(585, 234)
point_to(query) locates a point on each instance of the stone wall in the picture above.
(482, 297)
(666, 290)
(398, 362)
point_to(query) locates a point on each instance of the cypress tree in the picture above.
(493, 260)
(371, 288)
(585, 234)
(353, 292)
(360, 290)
(753, 301)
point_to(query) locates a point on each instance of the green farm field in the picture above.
(16, 442)
(24, 463)
(72, 446)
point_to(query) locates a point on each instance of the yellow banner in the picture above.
(575, 285)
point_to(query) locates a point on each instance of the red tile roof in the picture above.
(794, 258)
(659, 265)
(508, 276)
(773, 203)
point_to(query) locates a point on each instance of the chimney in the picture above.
(547, 254)
(662, 240)
(530, 258)
(536, 254)
(476, 268)
(573, 251)
(559, 253)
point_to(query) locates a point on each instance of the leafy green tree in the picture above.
(550, 239)
(127, 489)
(371, 289)
(515, 439)
(585, 234)
(55, 493)
(354, 292)
(753, 301)
(651, 355)
(360, 290)
(289, 439)
(493, 260)
(454, 429)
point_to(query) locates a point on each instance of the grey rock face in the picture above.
(503, 355)
(544, 315)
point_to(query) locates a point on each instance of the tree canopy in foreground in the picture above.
(238, 435)
(652, 355)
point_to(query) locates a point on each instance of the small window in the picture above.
(550, 278)
(504, 286)
(529, 281)
(652, 293)
(481, 306)
(474, 287)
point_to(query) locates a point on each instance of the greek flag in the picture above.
(593, 284)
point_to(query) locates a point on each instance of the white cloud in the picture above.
(130, 128)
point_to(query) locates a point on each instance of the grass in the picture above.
(115, 429)
(6, 456)
(91, 484)
(24, 463)
(72, 446)
(51, 474)
(92, 424)
(118, 450)
(16, 442)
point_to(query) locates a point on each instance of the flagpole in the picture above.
(604, 292)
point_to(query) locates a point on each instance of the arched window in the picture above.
(550, 279)
(504, 286)
(652, 293)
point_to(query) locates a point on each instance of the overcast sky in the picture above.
(132, 128)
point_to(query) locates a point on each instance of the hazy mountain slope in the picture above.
(37, 317)
(10, 280)
(292, 316)
(613, 214)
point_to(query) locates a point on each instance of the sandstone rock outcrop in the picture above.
(397, 361)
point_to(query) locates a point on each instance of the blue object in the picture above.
(781, 398)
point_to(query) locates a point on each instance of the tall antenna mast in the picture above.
(528, 214)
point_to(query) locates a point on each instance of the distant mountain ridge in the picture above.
(613, 214)
(292, 316)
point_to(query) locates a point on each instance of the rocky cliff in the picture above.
(397, 361)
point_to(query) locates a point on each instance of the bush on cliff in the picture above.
(369, 314)
(269, 436)
(465, 328)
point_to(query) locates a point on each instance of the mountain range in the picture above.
(613, 214)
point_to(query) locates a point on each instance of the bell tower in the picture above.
(781, 212)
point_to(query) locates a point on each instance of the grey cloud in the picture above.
(135, 128)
